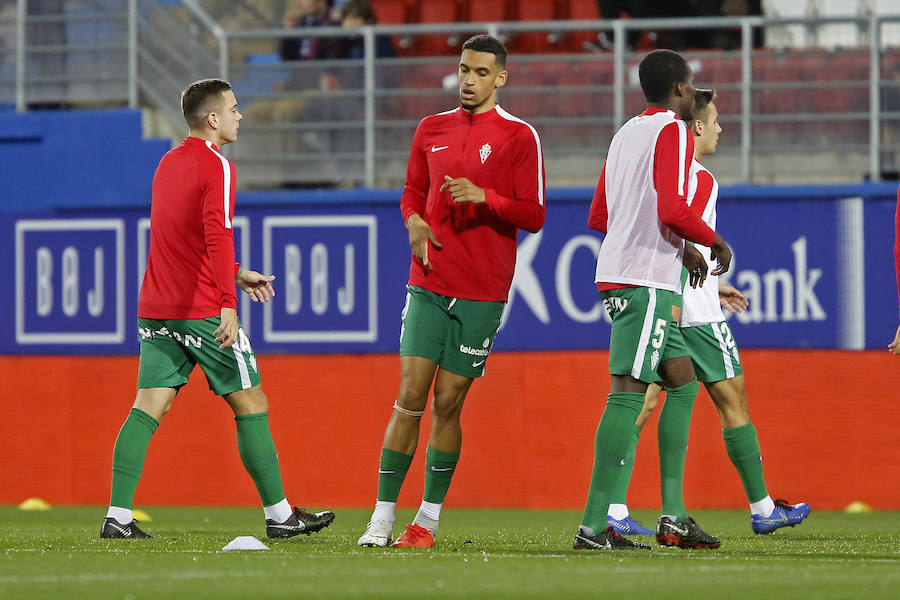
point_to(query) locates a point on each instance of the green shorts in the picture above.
(456, 334)
(714, 352)
(171, 347)
(641, 325)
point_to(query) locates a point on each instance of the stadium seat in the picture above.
(537, 41)
(479, 11)
(390, 12)
(394, 12)
(580, 10)
(438, 11)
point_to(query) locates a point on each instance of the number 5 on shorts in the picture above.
(659, 333)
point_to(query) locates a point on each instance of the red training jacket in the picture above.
(497, 152)
(191, 268)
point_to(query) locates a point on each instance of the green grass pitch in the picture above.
(479, 554)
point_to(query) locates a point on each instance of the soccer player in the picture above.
(640, 203)
(713, 350)
(475, 177)
(187, 315)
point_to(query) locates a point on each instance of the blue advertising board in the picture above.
(818, 273)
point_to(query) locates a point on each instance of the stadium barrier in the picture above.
(529, 429)
(815, 263)
(816, 96)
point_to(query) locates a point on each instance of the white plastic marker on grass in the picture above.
(245, 542)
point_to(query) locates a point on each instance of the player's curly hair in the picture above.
(487, 43)
(201, 98)
(659, 72)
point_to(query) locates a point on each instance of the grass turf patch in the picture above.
(479, 554)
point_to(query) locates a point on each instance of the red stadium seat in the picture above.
(394, 12)
(538, 41)
(581, 10)
(480, 11)
(438, 11)
(390, 12)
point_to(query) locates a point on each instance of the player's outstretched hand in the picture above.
(227, 331)
(258, 286)
(420, 234)
(732, 299)
(721, 252)
(695, 264)
(463, 190)
(894, 346)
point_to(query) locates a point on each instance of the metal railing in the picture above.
(813, 114)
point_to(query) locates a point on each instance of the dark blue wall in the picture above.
(66, 160)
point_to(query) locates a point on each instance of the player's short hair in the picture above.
(487, 43)
(701, 103)
(659, 72)
(360, 8)
(201, 98)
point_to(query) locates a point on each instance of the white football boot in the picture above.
(378, 533)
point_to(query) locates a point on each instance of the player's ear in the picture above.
(500, 80)
(212, 119)
(697, 127)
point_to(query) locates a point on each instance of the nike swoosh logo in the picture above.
(125, 532)
(300, 525)
(438, 470)
(438, 148)
(383, 472)
(593, 544)
(679, 530)
(477, 364)
(780, 519)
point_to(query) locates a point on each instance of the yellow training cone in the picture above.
(141, 515)
(34, 504)
(857, 507)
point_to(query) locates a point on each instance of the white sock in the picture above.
(618, 511)
(384, 511)
(585, 530)
(428, 516)
(278, 512)
(123, 516)
(763, 508)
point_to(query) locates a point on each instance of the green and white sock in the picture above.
(673, 431)
(439, 469)
(611, 443)
(391, 472)
(278, 512)
(128, 459)
(742, 445)
(618, 503)
(428, 516)
(259, 456)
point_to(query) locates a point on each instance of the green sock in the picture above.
(391, 473)
(614, 435)
(439, 468)
(259, 456)
(128, 456)
(673, 430)
(620, 491)
(743, 450)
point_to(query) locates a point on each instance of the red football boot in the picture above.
(415, 536)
